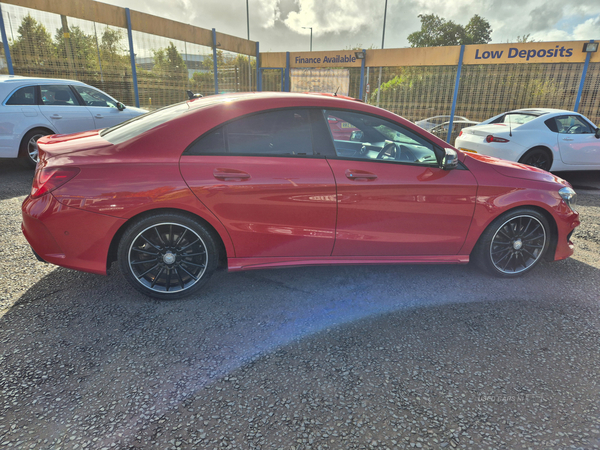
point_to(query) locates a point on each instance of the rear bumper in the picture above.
(66, 236)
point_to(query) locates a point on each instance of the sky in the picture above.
(344, 24)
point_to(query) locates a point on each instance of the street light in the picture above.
(309, 28)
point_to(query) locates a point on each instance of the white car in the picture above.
(551, 139)
(34, 107)
(432, 122)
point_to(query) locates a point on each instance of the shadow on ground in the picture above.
(336, 357)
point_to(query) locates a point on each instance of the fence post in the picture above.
(215, 66)
(362, 75)
(132, 55)
(6, 46)
(258, 71)
(456, 85)
(287, 72)
(581, 82)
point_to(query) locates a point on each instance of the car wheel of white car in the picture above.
(28, 150)
(537, 157)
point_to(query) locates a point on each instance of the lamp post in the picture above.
(309, 28)
(382, 41)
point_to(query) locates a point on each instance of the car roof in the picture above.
(539, 111)
(20, 79)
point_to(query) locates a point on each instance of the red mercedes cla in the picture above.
(248, 181)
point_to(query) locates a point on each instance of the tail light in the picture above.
(460, 134)
(48, 179)
(491, 138)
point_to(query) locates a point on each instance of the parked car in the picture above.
(36, 107)
(248, 181)
(431, 122)
(551, 139)
(441, 130)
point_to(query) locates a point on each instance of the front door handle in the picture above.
(230, 175)
(99, 116)
(567, 139)
(360, 175)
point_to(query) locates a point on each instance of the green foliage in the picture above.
(169, 63)
(34, 46)
(437, 32)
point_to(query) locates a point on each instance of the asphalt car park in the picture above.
(332, 357)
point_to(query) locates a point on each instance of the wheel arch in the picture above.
(544, 147)
(114, 244)
(553, 238)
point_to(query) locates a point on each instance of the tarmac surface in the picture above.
(306, 358)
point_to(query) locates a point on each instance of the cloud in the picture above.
(590, 29)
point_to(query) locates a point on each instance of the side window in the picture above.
(282, 132)
(369, 137)
(23, 96)
(92, 97)
(58, 95)
(573, 125)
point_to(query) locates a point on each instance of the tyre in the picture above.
(513, 243)
(167, 256)
(537, 157)
(28, 150)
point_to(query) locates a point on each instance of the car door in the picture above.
(266, 182)
(577, 141)
(61, 107)
(102, 108)
(393, 199)
(18, 115)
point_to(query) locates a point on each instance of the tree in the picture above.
(437, 32)
(168, 62)
(478, 31)
(82, 48)
(34, 47)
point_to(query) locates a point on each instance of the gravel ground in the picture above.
(307, 358)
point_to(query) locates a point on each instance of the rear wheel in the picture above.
(28, 149)
(513, 244)
(167, 256)
(537, 157)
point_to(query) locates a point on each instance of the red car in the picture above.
(248, 181)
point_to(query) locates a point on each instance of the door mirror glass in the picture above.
(450, 160)
(120, 106)
(597, 133)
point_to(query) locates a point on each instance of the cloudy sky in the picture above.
(340, 24)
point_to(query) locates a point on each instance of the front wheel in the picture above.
(513, 244)
(167, 256)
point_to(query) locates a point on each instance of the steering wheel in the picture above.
(575, 129)
(406, 154)
(391, 150)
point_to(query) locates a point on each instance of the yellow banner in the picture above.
(343, 58)
(533, 52)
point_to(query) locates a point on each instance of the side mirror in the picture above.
(356, 135)
(597, 133)
(450, 159)
(120, 106)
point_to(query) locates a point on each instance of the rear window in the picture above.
(140, 124)
(516, 118)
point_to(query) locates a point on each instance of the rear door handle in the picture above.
(230, 175)
(99, 116)
(56, 116)
(567, 139)
(360, 175)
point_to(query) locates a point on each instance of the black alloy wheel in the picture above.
(537, 158)
(513, 244)
(167, 256)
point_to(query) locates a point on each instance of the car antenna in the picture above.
(335, 94)
(191, 95)
(509, 126)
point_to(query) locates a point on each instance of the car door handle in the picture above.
(99, 116)
(56, 116)
(230, 175)
(567, 139)
(360, 175)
